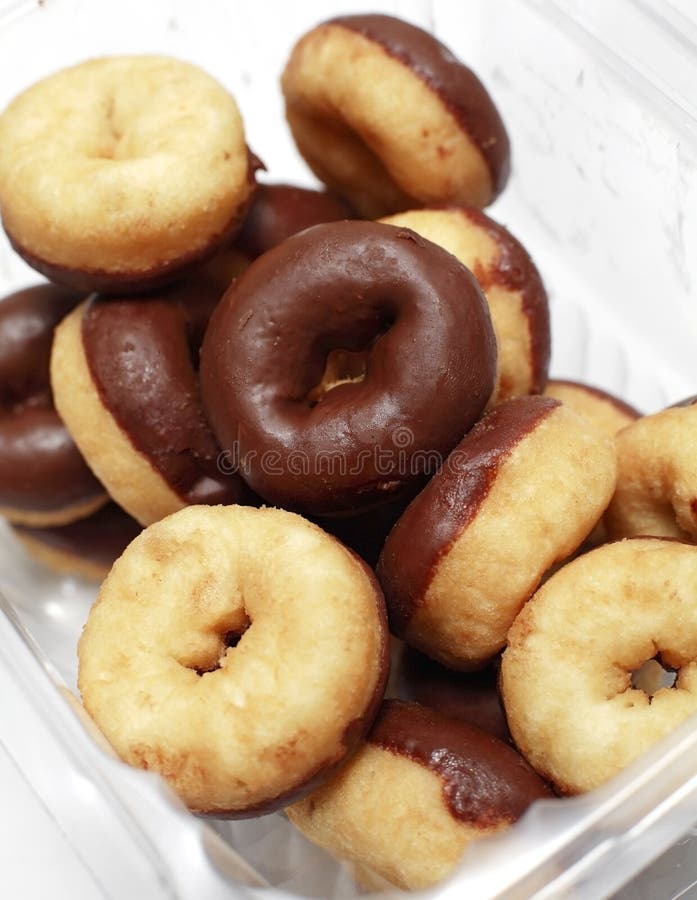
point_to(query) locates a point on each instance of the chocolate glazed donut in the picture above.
(422, 326)
(43, 479)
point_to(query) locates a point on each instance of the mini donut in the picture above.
(428, 351)
(124, 379)
(520, 492)
(120, 173)
(512, 286)
(43, 479)
(239, 652)
(86, 548)
(421, 789)
(280, 210)
(657, 476)
(566, 678)
(386, 116)
(471, 696)
(604, 410)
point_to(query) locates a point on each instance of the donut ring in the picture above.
(657, 476)
(568, 693)
(511, 284)
(43, 479)
(604, 410)
(119, 173)
(269, 340)
(467, 554)
(87, 547)
(340, 85)
(449, 782)
(236, 726)
(124, 379)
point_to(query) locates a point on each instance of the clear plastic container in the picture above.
(599, 103)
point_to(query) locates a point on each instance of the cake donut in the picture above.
(414, 326)
(657, 476)
(451, 783)
(442, 142)
(280, 210)
(566, 676)
(520, 492)
(512, 286)
(239, 652)
(125, 382)
(43, 478)
(119, 173)
(603, 409)
(87, 547)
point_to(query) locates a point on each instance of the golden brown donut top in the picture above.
(620, 405)
(449, 502)
(41, 469)
(142, 354)
(458, 88)
(416, 312)
(484, 780)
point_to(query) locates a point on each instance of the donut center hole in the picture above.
(230, 639)
(652, 676)
(342, 367)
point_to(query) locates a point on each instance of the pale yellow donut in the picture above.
(566, 675)
(121, 168)
(234, 730)
(606, 412)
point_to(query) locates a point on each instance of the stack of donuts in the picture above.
(289, 422)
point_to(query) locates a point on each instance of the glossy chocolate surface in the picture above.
(355, 286)
(485, 782)
(514, 270)
(449, 502)
(281, 210)
(458, 88)
(41, 469)
(470, 696)
(100, 538)
(142, 354)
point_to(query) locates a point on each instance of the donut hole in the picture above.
(228, 641)
(652, 676)
(342, 367)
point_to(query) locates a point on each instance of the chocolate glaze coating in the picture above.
(100, 538)
(470, 696)
(142, 354)
(41, 469)
(281, 210)
(458, 88)
(485, 782)
(688, 401)
(514, 270)
(450, 501)
(353, 286)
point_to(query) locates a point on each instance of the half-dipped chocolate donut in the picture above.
(239, 652)
(422, 788)
(386, 116)
(120, 173)
(407, 311)
(520, 492)
(124, 374)
(512, 286)
(43, 478)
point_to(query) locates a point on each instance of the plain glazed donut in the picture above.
(657, 476)
(280, 210)
(566, 676)
(386, 116)
(422, 788)
(241, 653)
(412, 313)
(119, 173)
(86, 548)
(125, 382)
(512, 286)
(43, 479)
(468, 552)
(604, 410)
